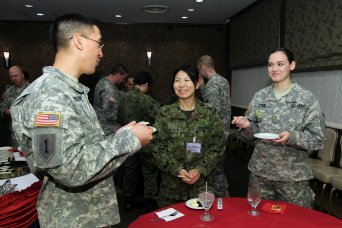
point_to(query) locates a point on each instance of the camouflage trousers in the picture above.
(141, 162)
(295, 192)
(150, 172)
(131, 171)
(218, 180)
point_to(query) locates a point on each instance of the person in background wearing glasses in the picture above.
(107, 97)
(59, 132)
(281, 165)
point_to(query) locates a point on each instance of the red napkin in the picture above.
(274, 208)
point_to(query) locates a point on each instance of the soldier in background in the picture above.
(58, 130)
(189, 141)
(137, 105)
(281, 165)
(107, 97)
(129, 82)
(19, 81)
(216, 91)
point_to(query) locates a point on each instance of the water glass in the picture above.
(206, 196)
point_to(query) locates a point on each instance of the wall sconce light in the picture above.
(7, 60)
(149, 55)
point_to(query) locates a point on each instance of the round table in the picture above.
(234, 214)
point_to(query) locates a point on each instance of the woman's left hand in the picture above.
(283, 138)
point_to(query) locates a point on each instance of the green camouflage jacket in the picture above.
(135, 105)
(169, 147)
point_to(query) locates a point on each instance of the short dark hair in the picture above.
(129, 76)
(119, 68)
(65, 26)
(143, 77)
(286, 51)
(191, 71)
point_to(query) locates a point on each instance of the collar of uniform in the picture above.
(71, 77)
(271, 96)
(67, 79)
(136, 90)
(195, 113)
(213, 76)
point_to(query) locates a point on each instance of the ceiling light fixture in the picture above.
(191, 10)
(118, 15)
(156, 9)
(199, 0)
(29, 6)
(40, 14)
(184, 17)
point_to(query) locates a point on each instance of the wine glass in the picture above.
(254, 195)
(206, 197)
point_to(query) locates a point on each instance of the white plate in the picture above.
(266, 136)
(153, 128)
(192, 203)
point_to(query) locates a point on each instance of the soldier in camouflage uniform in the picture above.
(107, 97)
(17, 77)
(58, 129)
(138, 106)
(129, 82)
(216, 91)
(287, 109)
(189, 141)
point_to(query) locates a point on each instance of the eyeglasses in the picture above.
(101, 45)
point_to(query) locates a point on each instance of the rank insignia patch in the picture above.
(47, 120)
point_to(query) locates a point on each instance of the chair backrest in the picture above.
(327, 153)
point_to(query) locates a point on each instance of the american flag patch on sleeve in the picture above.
(47, 120)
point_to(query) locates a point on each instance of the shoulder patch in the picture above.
(47, 120)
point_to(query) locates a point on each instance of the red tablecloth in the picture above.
(234, 214)
(18, 209)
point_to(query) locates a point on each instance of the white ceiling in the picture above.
(207, 12)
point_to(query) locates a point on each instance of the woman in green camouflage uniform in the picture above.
(189, 141)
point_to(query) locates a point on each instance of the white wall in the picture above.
(325, 85)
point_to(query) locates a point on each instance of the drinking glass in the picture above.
(206, 197)
(253, 195)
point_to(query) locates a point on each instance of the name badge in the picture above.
(193, 147)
